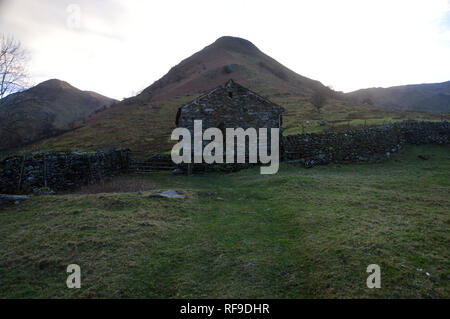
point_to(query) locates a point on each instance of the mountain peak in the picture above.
(230, 43)
(55, 84)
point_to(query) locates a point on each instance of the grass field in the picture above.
(303, 233)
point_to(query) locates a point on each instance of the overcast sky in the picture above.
(117, 48)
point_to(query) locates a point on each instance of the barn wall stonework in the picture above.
(230, 106)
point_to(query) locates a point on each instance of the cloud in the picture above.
(119, 47)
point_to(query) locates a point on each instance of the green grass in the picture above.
(303, 233)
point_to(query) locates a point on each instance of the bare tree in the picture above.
(318, 99)
(13, 66)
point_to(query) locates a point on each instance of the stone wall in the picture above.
(59, 171)
(362, 145)
(65, 171)
(424, 132)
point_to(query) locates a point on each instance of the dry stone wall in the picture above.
(362, 145)
(59, 171)
(64, 171)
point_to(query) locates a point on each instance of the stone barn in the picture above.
(231, 106)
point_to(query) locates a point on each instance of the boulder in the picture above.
(168, 194)
(12, 199)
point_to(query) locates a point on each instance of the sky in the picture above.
(117, 47)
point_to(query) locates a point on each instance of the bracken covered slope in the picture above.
(230, 57)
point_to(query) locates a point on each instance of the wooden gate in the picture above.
(146, 163)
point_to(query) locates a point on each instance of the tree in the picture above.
(13, 66)
(318, 99)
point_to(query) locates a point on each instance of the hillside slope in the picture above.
(45, 110)
(433, 97)
(144, 123)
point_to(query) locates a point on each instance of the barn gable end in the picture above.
(230, 106)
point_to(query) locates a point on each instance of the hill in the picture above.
(145, 122)
(45, 110)
(433, 97)
(230, 57)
